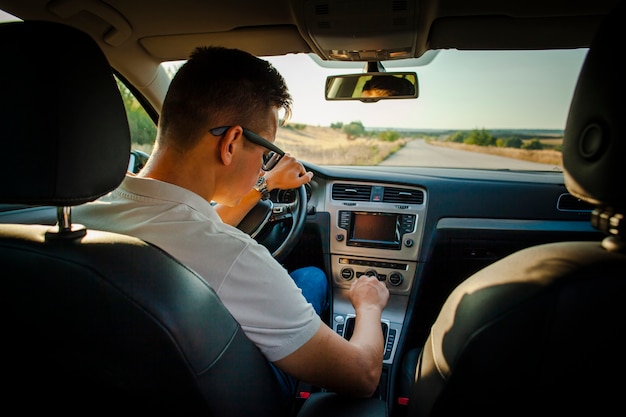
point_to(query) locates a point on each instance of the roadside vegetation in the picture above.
(543, 156)
(338, 146)
(542, 148)
(353, 144)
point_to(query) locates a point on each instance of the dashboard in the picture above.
(424, 230)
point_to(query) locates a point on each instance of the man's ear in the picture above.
(229, 144)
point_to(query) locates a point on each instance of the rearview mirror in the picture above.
(372, 86)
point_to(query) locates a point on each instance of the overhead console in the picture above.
(325, 25)
(376, 229)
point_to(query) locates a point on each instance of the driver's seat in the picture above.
(98, 322)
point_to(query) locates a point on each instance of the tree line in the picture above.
(482, 137)
(478, 137)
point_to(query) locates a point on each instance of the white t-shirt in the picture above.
(253, 286)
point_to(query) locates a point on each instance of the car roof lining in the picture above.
(487, 24)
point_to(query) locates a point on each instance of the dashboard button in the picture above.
(347, 273)
(395, 278)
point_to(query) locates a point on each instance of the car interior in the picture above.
(506, 286)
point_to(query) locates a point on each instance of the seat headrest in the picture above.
(594, 145)
(65, 135)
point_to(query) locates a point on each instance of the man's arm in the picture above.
(287, 174)
(350, 367)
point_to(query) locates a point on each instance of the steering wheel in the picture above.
(277, 226)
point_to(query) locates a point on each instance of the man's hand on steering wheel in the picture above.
(287, 174)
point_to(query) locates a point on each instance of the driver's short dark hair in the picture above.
(231, 85)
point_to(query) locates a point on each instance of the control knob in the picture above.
(395, 278)
(371, 272)
(347, 273)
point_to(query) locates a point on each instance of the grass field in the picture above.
(544, 156)
(328, 146)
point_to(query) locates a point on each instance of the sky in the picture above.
(457, 90)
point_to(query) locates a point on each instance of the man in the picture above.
(387, 86)
(215, 135)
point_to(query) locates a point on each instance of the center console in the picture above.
(376, 229)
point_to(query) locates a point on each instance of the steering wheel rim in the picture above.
(265, 217)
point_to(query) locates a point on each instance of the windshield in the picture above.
(476, 109)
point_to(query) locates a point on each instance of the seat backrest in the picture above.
(99, 322)
(541, 331)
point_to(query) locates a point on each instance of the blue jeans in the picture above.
(314, 285)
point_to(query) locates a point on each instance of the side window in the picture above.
(142, 129)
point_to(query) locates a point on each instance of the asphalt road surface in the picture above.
(418, 153)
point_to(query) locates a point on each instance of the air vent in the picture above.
(568, 202)
(352, 192)
(403, 195)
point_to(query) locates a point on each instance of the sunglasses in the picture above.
(270, 159)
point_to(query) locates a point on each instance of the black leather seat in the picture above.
(97, 322)
(541, 332)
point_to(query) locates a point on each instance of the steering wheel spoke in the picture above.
(282, 212)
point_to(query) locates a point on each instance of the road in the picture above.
(418, 153)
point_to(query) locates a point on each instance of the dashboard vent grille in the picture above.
(568, 202)
(352, 192)
(403, 195)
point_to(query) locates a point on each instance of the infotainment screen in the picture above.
(374, 230)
